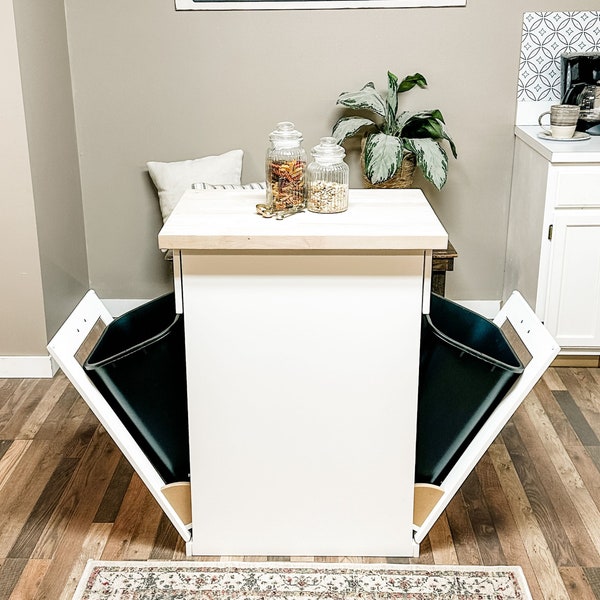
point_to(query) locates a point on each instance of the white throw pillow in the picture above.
(172, 179)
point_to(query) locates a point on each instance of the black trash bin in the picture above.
(466, 368)
(138, 365)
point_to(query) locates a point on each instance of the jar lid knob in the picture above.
(285, 131)
(329, 148)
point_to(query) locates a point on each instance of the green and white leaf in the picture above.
(431, 159)
(416, 119)
(436, 130)
(418, 132)
(409, 82)
(392, 102)
(403, 118)
(447, 137)
(366, 98)
(383, 155)
(349, 126)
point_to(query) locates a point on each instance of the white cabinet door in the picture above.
(302, 385)
(573, 300)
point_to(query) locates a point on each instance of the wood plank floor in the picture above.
(67, 494)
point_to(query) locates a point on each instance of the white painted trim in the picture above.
(26, 367)
(312, 4)
(45, 367)
(41, 367)
(576, 351)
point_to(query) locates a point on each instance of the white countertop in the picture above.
(586, 151)
(375, 220)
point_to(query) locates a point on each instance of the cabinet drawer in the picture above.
(576, 186)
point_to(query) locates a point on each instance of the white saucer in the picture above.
(579, 136)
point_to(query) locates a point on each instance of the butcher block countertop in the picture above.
(375, 220)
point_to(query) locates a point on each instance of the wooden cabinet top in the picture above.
(375, 220)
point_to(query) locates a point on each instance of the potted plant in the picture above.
(396, 139)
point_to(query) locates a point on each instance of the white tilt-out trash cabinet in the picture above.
(302, 346)
(302, 354)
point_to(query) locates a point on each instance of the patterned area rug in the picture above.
(105, 580)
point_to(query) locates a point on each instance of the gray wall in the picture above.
(142, 82)
(44, 263)
(48, 97)
(22, 330)
(154, 84)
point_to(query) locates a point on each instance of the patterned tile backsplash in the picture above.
(547, 35)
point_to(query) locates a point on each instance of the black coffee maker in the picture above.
(580, 84)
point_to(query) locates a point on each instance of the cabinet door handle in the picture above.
(550, 228)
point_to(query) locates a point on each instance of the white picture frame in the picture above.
(309, 4)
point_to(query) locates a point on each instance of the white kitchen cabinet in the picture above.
(573, 303)
(553, 246)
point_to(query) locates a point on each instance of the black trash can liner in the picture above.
(138, 365)
(466, 367)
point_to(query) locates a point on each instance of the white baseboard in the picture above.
(42, 367)
(39, 367)
(25, 367)
(486, 308)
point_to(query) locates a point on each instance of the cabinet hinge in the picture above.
(550, 228)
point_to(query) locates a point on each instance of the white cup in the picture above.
(563, 121)
(561, 132)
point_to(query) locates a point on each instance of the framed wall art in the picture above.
(308, 4)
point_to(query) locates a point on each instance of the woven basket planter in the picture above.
(402, 178)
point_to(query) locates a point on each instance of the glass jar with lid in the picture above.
(285, 168)
(327, 178)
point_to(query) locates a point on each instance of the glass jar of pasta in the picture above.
(285, 169)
